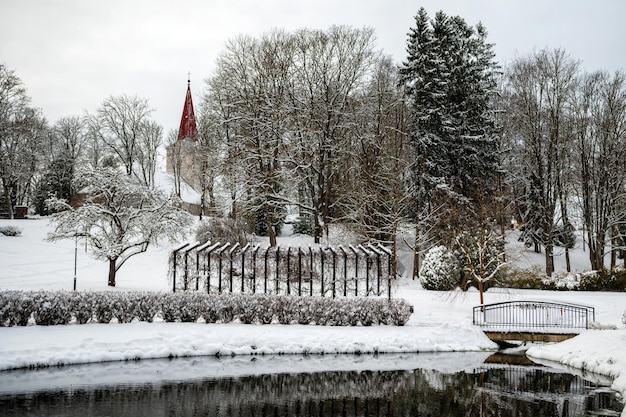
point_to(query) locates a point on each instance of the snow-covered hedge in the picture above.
(624, 318)
(603, 280)
(17, 308)
(10, 231)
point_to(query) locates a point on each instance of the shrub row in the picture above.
(603, 280)
(17, 308)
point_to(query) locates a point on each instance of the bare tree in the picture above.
(482, 256)
(259, 71)
(150, 140)
(23, 131)
(540, 86)
(175, 159)
(71, 136)
(375, 195)
(211, 153)
(119, 219)
(123, 124)
(599, 115)
(330, 69)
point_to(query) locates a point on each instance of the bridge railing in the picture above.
(533, 315)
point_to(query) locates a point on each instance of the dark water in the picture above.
(435, 389)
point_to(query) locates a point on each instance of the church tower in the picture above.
(181, 155)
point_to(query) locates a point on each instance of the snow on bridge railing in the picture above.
(361, 270)
(533, 315)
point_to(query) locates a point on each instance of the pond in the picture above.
(450, 384)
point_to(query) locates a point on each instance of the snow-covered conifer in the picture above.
(440, 269)
(450, 80)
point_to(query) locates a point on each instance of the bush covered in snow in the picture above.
(16, 307)
(303, 225)
(10, 230)
(52, 308)
(624, 318)
(61, 307)
(604, 280)
(440, 269)
(217, 229)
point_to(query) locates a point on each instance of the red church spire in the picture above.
(188, 130)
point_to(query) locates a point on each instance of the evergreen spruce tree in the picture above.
(450, 79)
(56, 182)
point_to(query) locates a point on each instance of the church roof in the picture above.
(188, 129)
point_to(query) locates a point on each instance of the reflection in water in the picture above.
(488, 390)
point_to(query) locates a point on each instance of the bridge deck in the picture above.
(497, 336)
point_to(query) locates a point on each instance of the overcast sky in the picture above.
(71, 55)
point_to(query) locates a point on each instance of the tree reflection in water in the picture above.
(490, 391)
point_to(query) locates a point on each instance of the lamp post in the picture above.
(75, 258)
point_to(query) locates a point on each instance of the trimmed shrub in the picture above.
(304, 311)
(321, 310)
(248, 315)
(51, 308)
(5, 307)
(226, 308)
(286, 309)
(170, 311)
(209, 310)
(82, 305)
(124, 307)
(266, 308)
(440, 269)
(190, 306)
(400, 312)
(102, 307)
(146, 306)
(10, 231)
(367, 314)
(22, 306)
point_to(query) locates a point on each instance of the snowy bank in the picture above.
(597, 351)
(40, 346)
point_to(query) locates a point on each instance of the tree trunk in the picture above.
(567, 227)
(596, 252)
(549, 260)
(317, 228)
(112, 272)
(9, 203)
(416, 253)
(394, 251)
(614, 245)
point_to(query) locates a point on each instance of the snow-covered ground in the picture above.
(441, 321)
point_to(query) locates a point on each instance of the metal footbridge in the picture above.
(532, 321)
